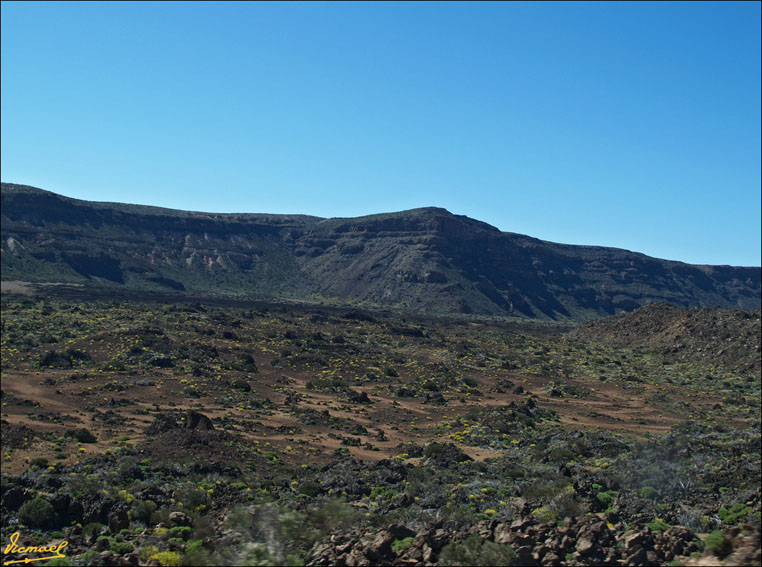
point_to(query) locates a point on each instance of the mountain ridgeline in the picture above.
(424, 259)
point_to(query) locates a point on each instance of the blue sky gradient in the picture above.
(634, 125)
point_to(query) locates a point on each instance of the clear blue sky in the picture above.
(634, 125)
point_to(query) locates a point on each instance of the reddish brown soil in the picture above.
(622, 409)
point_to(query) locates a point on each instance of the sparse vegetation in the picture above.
(500, 423)
(37, 513)
(475, 551)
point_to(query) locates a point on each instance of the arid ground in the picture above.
(119, 414)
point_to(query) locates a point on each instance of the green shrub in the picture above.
(327, 384)
(191, 497)
(716, 542)
(142, 510)
(241, 384)
(38, 463)
(93, 528)
(256, 554)
(104, 542)
(648, 492)
(147, 551)
(658, 525)
(545, 515)
(83, 435)
(161, 533)
(89, 557)
(193, 545)
(332, 515)
(182, 532)
(68, 359)
(59, 562)
(168, 558)
(476, 551)
(36, 513)
(736, 511)
(566, 504)
(53, 359)
(400, 545)
(607, 498)
(122, 547)
(196, 554)
(310, 488)
(162, 362)
(203, 528)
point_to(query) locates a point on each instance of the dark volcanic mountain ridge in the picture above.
(422, 259)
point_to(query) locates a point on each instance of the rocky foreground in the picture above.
(214, 435)
(588, 540)
(584, 541)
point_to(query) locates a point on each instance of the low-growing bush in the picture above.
(474, 550)
(400, 545)
(37, 513)
(648, 492)
(91, 529)
(545, 515)
(716, 542)
(67, 359)
(83, 435)
(168, 558)
(566, 504)
(607, 498)
(241, 384)
(38, 463)
(147, 551)
(142, 510)
(59, 562)
(182, 532)
(658, 525)
(736, 511)
(122, 547)
(310, 488)
(327, 384)
(162, 362)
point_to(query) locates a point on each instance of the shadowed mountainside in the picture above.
(423, 259)
(722, 337)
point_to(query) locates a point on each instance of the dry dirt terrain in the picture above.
(118, 414)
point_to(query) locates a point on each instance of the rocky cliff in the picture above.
(423, 259)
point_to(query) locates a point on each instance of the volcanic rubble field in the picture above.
(211, 433)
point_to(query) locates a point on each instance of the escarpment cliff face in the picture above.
(423, 259)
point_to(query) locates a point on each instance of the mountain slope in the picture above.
(718, 337)
(426, 259)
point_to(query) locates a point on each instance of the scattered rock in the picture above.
(118, 520)
(180, 519)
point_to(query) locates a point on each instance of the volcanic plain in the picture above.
(197, 431)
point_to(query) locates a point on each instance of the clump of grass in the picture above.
(36, 513)
(716, 542)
